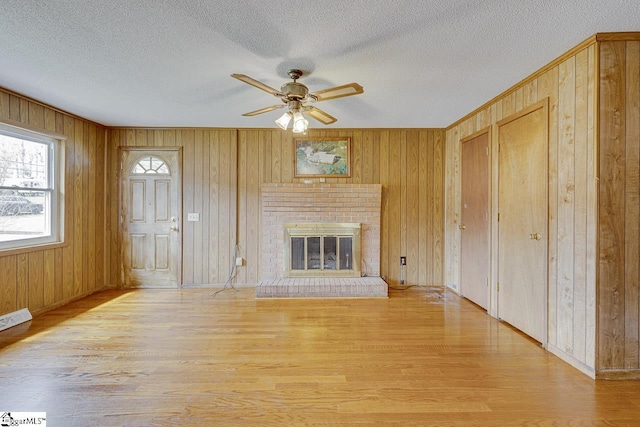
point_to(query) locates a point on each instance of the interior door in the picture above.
(474, 235)
(150, 216)
(522, 224)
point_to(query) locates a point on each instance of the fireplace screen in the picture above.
(322, 249)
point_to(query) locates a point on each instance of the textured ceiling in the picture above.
(422, 63)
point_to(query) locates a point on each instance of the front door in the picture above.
(522, 223)
(150, 217)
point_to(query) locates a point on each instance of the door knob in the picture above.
(535, 236)
(173, 228)
(462, 227)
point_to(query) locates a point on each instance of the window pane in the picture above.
(23, 163)
(151, 165)
(330, 254)
(297, 253)
(24, 217)
(346, 253)
(313, 253)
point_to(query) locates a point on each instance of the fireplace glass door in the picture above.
(321, 253)
(322, 249)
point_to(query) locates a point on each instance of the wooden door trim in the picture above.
(120, 175)
(477, 134)
(543, 103)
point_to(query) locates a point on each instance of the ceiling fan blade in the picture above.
(256, 83)
(263, 110)
(338, 92)
(320, 115)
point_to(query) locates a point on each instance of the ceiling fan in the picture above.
(297, 98)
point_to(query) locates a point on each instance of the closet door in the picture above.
(474, 227)
(522, 225)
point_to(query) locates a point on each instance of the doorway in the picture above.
(150, 217)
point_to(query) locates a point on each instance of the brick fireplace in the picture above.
(286, 203)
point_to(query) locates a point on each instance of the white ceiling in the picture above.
(422, 63)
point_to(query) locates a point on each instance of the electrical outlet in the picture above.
(239, 262)
(403, 260)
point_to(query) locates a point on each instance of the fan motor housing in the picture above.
(294, 90)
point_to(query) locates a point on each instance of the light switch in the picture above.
(193, 216)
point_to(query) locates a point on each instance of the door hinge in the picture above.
(498, 216)
(486, 151)
(498, 286)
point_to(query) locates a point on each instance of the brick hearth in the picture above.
(319, 287)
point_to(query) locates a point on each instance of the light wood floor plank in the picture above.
(185, 357)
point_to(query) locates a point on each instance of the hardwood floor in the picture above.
(184, 357)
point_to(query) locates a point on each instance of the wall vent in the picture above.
(12, 319)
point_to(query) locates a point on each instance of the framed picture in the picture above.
(322, 157)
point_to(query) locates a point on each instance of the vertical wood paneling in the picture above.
(100, 212)
(438, 209)
(619, 223)
(9, 288)
(566, 203)
(35, 277)
(89, 202)
(44, 277)
(68, 254)
(571, 90)
(22, 278)
(214, 208)
(592, 212)
(452, 208)
(245, 145)
(197, 206)
(49, 274)
(611, 315)
(386, 233)
(412, 194)
(188, 204)
(425, 144)
(206, 206)
(252, 269)
(580, 182)
(78, 214)
(632, 207)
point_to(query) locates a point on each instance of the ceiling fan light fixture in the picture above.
(300, 124)
(284, 120)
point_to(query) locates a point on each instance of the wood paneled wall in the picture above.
(49, 277)
(619, 225)
(570, 84)
(407, 162)
(209, 177)
(223, 173)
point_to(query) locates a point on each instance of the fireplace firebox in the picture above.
(322, 249)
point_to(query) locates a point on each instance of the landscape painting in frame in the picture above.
(322, 157)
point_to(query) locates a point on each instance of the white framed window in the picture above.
(30, 187)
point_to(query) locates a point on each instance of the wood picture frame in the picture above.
(322, 157)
